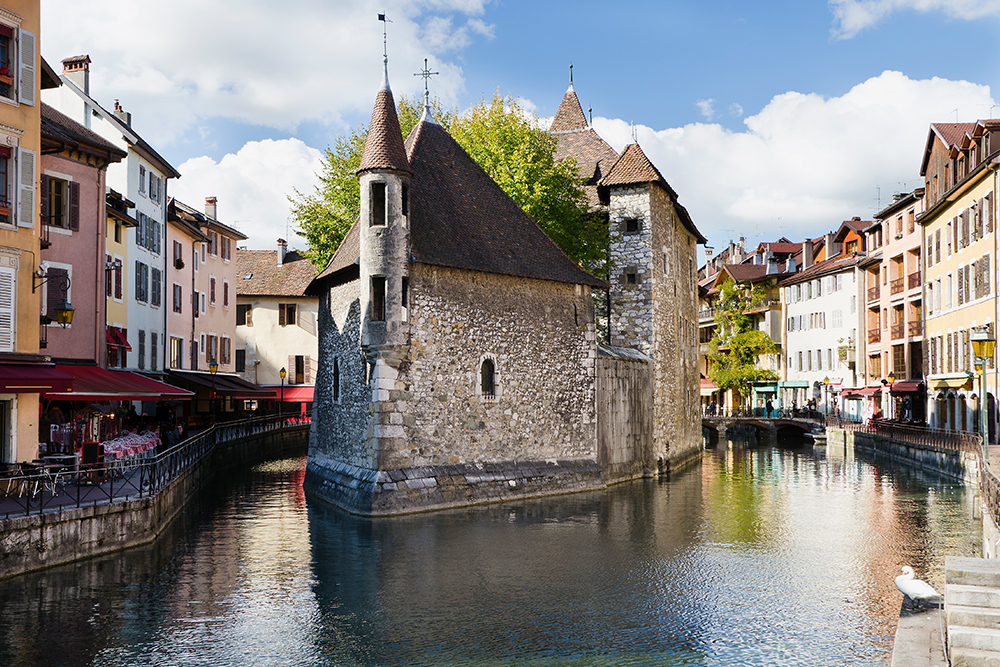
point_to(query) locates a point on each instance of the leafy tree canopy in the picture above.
(736, 345)
(505, 140)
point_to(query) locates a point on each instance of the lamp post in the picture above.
(983, 346)
(826, 395)
(282, 373)
(213, 366)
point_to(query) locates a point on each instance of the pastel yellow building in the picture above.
(959, 285)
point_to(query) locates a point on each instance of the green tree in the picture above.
(736, 345)
(505, 140)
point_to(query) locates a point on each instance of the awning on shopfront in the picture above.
(907, 387)
(862, 392)
(951, 381)
(295, 394)
(93, 383)
(33, 379)
(708, 387)
(794, 384)
(222, 384)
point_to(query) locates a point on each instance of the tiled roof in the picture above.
(570, 114)
(460, 217)
(269, 279)
(835, 265)
(384, 143)
(60, 127)
(952, 134)
(347, 252)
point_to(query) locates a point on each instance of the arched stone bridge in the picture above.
(767, 428)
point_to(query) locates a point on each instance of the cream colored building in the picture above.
(960, 253)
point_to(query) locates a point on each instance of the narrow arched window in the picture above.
(488, 378)
(336, 380)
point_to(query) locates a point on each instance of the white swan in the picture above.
(915, 589)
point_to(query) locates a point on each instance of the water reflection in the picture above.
(756, 556)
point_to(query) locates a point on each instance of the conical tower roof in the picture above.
(384, 144)
(570, 116)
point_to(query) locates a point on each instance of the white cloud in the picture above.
(262, 63)
(804, 162)
(736, 109)
(252, 187)
(705, 108)
(853, 16)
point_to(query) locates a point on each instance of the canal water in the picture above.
(755, 556)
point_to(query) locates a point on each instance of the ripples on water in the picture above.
(753, 557)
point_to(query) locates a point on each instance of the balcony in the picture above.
(706, 315)
(896, 331)
(916, 328)
(873, 293)
(874, 335)
(764, 306)
(913, 280)
(895, 286)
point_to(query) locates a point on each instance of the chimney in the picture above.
(790, 265)
(123, 115)
(282, 249)
(77, 70)
(807, 254)
(832, 247)
(772, 263)
(709, 251)
(211, 207)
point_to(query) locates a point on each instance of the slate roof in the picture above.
(835, 265)
(60, 127)
(384, 143)
(459, 217)
(570, 114)
(634, 168)
(267, 278)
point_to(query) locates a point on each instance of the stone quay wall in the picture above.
(38, 541)
(949, 462)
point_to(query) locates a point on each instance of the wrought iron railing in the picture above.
(913, 280)
(27, 489)
(964, 441)
(896, 331)
(873, 293)
(916, 328)
(896, 286)
(763, 413)
(874, 335)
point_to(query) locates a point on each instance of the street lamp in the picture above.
(826, 395)
(282, 373)
(213, 367)
(983, 346)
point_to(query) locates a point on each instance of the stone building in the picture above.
(456, 341)
(653, 295)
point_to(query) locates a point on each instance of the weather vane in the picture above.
(384, 20)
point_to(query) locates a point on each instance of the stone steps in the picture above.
(972, 611)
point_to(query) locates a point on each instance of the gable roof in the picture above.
(178, 211)
(59, 127)
(950, 134)
(267, 278)
(128, 134)
(460, 218)
(634, 168)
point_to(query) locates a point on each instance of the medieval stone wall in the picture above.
(631, 253)
(540, 337)
(624, 413)
(677, 423)
(340, 425)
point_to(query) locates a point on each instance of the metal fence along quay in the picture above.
(32, 489)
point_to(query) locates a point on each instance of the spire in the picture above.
(385, 52)
(384, 144)
(570, 116)
(426, 73)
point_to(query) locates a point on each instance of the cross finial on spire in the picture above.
(571, 76)
(426, 73)
(385, 52)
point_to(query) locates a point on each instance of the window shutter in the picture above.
(26, 50)
(988, 212)
(74, 206)
(8, 282)
(26, 187)
(308, 379)
(281, 315)
(156, 287)
(961, 286)
(156, 233)
(290, 370)
(954, 229)
(118, 279)
(54, 292)
(249, 316)
(225, 294)
(45, 192)
(985, 264)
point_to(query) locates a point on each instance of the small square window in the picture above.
(631, 278)
(631, 225)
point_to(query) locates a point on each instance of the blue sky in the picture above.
(778, 118)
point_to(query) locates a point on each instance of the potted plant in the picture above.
(5, 75)
(179, 263)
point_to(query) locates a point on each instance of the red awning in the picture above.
(93, 383)
(120, 335)
(296, 394)
(863, 391)
(33, 379)
(907, 387)
(111, 339)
